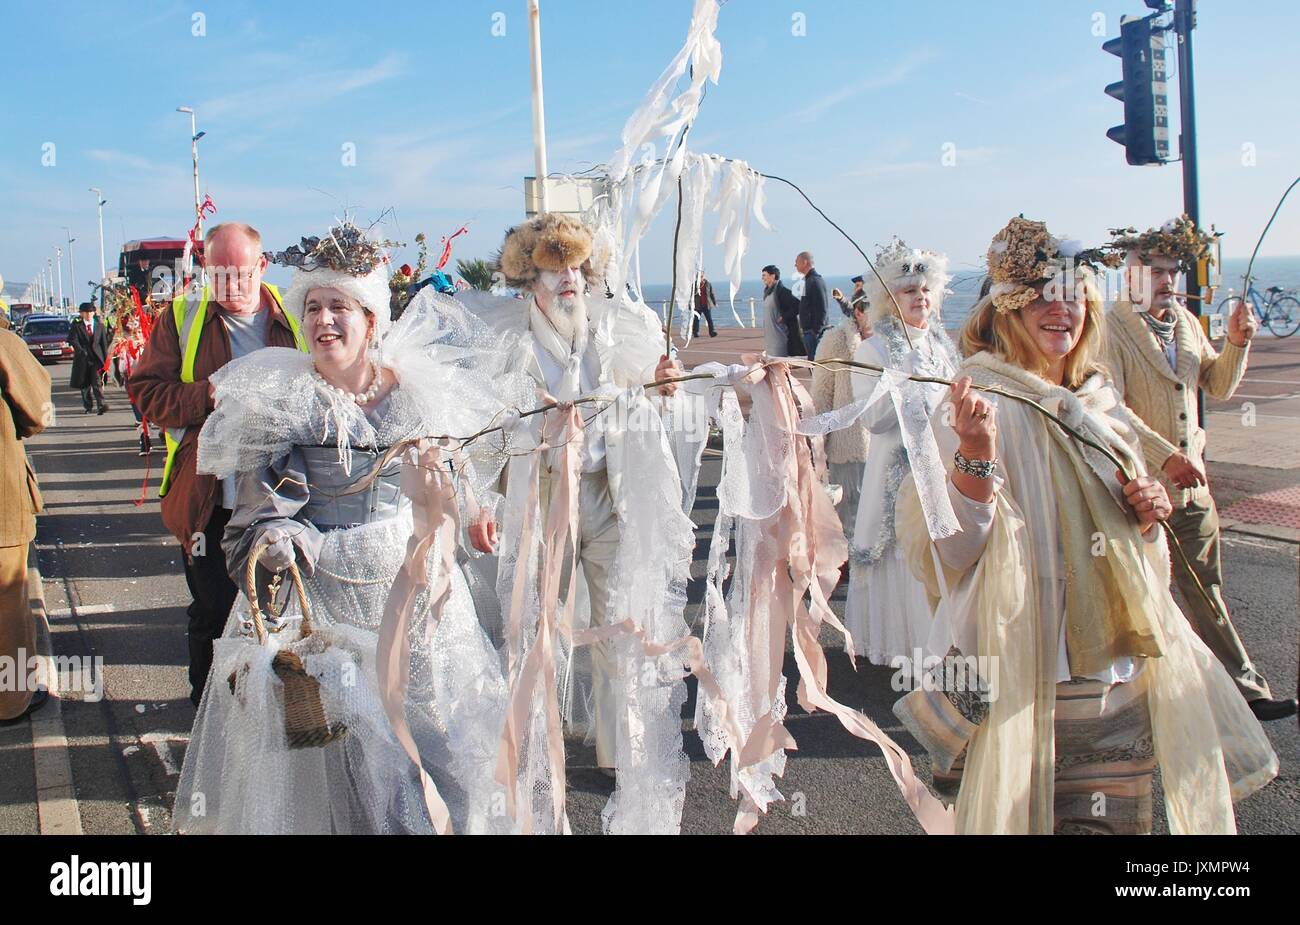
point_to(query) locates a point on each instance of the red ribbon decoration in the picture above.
(446, 246)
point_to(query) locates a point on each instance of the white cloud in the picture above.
(273, 95)
(890, 77)
(124, 159)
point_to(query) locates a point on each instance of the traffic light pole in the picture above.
(1184, 22)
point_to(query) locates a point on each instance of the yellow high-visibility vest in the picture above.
(189, 327)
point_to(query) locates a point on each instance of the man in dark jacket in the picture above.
(705, 303)
(236, 316)
(787, 307)
(89, 339)
(813, 303)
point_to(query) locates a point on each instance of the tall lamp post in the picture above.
(539, 107)
(58, 253)
(195, 135)
(72, 264)
(49, 281)
(100, 202)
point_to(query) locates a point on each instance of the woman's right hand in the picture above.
(279, 554)
(974, 420)
(1148, 499)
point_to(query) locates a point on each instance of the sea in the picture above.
(962, 295)
(964, 291)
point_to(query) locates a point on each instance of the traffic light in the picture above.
(1145, 132)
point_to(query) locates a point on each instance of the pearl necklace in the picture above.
(361, 398)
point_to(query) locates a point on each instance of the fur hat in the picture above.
(346, 259)
(900, 265)
(550, 241)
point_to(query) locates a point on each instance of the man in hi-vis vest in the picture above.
(235, 314)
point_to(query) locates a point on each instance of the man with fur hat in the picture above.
(233, 316)
(572, 347)
(1159, 356)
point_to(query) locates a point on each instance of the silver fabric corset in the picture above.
(328, 508)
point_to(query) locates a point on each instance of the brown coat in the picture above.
(25, 385)
(168, 402)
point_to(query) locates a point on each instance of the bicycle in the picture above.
(1280, 311)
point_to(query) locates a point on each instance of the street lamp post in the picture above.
(195, 135)
(58, 252)
(49, 281)
(100, 203)
(539, 107)
(72, 264)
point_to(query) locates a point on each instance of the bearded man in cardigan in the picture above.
(1158, 356)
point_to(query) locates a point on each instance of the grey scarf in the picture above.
(1163, 330)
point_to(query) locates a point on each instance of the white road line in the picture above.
(56, 797)
(60, 612)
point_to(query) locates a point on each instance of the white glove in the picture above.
(280, 554)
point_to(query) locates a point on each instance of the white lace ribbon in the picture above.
(928, 469)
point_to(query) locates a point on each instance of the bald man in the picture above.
(233, 316)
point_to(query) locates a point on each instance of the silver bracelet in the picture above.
(979, 468)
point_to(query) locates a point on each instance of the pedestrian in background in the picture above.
(812, 304)
(846, 450)
(781, 335)
(25, 385)
(123, 357)
(89, 338)
(705, 303)
(845, 308)
(859, 294)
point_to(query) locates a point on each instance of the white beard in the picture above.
(568, 315)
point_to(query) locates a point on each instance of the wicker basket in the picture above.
(305, 723)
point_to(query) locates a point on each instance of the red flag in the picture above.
(446, 246)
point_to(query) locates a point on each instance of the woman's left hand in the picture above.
(1148, 499)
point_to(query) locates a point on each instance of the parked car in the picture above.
(46, 337)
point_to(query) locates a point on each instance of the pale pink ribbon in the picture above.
(560, 533)
(433, 505)
(802, 555)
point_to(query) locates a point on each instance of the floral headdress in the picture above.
(1178, 238)
(345, 249)
(346, 259)
(1025, 255)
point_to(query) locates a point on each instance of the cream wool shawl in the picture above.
(1210, 748)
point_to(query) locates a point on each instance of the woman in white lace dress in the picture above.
(298, 432)
(887, 611)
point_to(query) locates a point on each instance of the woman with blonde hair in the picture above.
(1076, 673)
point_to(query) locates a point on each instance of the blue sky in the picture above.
(857, 111)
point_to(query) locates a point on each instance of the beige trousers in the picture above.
(1197, 529)
(17, 629)
(597, 545)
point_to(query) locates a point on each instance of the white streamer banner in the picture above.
(928, 470)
